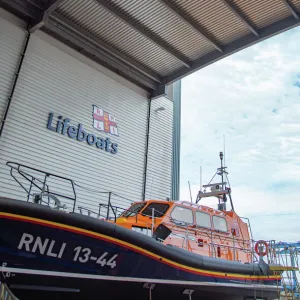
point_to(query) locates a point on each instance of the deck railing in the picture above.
(5, 293)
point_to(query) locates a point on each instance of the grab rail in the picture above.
(6, 293)
(41, 185)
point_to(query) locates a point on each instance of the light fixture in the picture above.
(160, 109)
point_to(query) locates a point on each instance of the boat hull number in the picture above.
(52, 248)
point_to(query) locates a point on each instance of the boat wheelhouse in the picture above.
(196, 228)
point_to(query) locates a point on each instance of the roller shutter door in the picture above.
(52, 81)
(159, 167)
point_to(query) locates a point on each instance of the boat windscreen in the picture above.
(159, 209)
(133, 210)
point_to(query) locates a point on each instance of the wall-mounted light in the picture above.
(160, 109)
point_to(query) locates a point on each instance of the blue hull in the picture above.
(76, 254)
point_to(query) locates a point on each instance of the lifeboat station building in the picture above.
(90, 90)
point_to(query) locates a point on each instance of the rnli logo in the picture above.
(104, 121)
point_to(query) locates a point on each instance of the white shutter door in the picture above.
(159, 167)
(53, 81)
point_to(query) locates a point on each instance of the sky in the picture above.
(252, 99)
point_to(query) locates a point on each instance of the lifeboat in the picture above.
(153, 249)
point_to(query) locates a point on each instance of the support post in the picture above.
(233, 247)
(189, 293)
(146, 150)
(176, 140)
(149, 286)
(152, 224)
(108, 206)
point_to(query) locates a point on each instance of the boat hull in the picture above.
(42, 250)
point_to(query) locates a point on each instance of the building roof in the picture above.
(156, 42)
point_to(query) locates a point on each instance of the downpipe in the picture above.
(15, 82)
(146, 150)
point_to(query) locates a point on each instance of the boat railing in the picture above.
(59, 192)
(188, 234)
(188, 229)
(39, 185)
(117, 211)
(6, 293)
(112, 212)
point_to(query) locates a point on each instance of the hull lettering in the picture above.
(52, 248)
(39, 245)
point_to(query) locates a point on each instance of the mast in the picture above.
(221, 158)
(222, 177)
(218, 190)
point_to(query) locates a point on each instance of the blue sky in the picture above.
(253, 98)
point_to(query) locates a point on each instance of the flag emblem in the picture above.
(103, 121)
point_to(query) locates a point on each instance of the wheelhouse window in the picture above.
(159, 209)
(133, 210)
(220, 223)
(203, 219)
(182, 214)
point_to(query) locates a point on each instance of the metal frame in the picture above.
(81, 40)
(147, 150)
(233, 47)
(291, 9)
(28, 173)
(67, 29)
(37, 24)
(44, 17)
(175, 192)
(188, 20)
(137, 26)
(77, 30)
(105, 58)
(241, 16)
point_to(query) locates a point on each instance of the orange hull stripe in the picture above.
(134, 248)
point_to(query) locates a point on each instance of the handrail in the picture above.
(190, 228)
(33, 182)
(113, 207)
(6, 293)
(89, 211)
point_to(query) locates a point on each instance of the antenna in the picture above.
(200, 178)
(224, 150)
(190, 191)
(222, 169)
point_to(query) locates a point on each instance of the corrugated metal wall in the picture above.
(158, 183)
(53, 81)
(12, 40)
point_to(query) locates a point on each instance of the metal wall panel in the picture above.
(96, 20)
(216, 18)
(159, 168)
(12, 40)
(54, 81)
(167, 25)
(263, 13)
(296, 5)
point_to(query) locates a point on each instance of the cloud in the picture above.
(253, 99)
